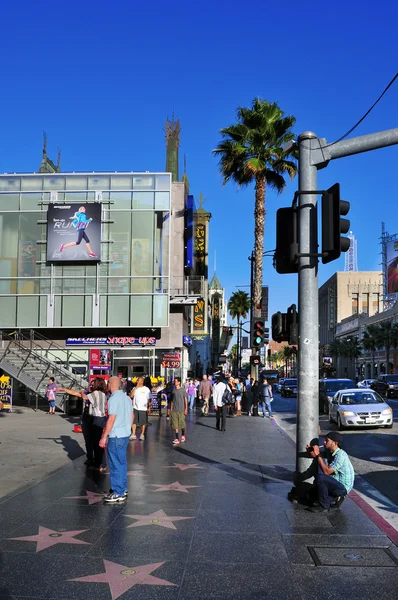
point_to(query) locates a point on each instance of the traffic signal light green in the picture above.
(258, 333)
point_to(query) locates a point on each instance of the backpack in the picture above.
(227, 397)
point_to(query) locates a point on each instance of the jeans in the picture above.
(329, 489)
(191, 401)
(96, 433)
(205, 407)
(266, 405)
(117, 461)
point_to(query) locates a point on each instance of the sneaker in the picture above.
(142, 438)
(176, 441)
(338, 502)
(132, 437)
(167, 418)
(92, 255)
(183, 438)
(126, 493)
(113, 498)
(62, 247)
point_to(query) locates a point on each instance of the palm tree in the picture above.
(351, 349)
(252, 152)
(287, 354)
(335, 352)
(233, 353)
(384, 339)
(238, 306)
(369, 344)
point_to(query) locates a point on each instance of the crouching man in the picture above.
(335, 473)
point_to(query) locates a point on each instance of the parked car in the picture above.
(279, 385)
(289, 388)
(386, 385)
(365, 383)
(328, 388)
(358, 408)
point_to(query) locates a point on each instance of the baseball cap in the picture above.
(335, 436)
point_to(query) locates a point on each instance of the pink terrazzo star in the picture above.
(184, 467)
(92, 497)
(121, 578)
(137, 472)
(156, 518)
(49, 537)
(176, 486)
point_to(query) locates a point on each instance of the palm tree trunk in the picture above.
(259, 223)
(388, 348)
(372, 370)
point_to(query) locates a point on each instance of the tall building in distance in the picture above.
(351, 257)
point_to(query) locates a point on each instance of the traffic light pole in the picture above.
(314, 154)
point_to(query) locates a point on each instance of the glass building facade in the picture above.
(128, 288)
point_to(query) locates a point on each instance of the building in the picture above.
(218, 319)
(346, 294)
(130, 290)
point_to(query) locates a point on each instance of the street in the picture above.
(373, 451)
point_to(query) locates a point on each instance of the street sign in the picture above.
(171, 360)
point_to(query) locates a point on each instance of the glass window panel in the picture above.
(103, 310)
(164, 245)
(143, 182)
(143, 199)
(76, 197)
(121, 200)
(76, 182)
(98, 182)
(7, 286)
(43, 311)
(9, 201)
(121, 182)
(142, 285)
(88, 311)
(142, 244)
(162, 200)
(160, 310)
(72, 310)
(29, 251)
(163, 182)
(54, 182)
(141, 311)
(8, 312)
(28, 286)
(32, 202)
(9, 226)
(118, 285)
(119, 251)
(28, 311)
(11, 184)
(31, 183)
(118, 310)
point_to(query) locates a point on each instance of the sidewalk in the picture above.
(209, 519)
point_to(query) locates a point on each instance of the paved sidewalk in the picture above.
(209, 519)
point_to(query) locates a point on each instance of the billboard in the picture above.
(392, 267)
(5, 393)
(74, 232)
(100, 359)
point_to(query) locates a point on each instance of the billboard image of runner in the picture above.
(392, 267)
(74, 232)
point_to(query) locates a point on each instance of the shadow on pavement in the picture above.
(71, 446)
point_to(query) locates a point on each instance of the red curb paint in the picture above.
(370, 512)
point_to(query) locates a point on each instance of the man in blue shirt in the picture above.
(118, 428)
(335, 475)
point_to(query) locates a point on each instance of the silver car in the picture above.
(365, 383)
(358, 408)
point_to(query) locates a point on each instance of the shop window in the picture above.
(365, 304)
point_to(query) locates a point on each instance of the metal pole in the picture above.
(308, 376)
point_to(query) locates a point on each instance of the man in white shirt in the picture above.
(220, 406)
(141, 396)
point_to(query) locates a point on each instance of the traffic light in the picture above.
(258, 333)
(286, 260)
(333, 225)
(255, 360)
(266, 335)
(279, 327)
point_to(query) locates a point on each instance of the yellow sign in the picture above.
(199, 317)
(5, 393)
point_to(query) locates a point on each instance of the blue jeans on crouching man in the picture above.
(117, 462)
(329, 489)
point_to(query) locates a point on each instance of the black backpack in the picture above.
(227, 397)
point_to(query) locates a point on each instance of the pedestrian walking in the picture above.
(238, 397)
(97, 406)
(220, 404)
(205, 392)
(179, 408)
(191, 391)
(142, 397)
(118, 428)
(50, 395)
(266, 398)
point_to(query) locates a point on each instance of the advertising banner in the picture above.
(392, 267)
(100, 359)
(198, 324)
(74, 232)
(171, 360)
(104, 377)
(5, 393)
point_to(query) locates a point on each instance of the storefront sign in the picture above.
(199, 317)
(332, 307)
(216, 324)
(5, 393)
(186, 340)
(171, 360)
(200, 248)
(100, 359)
(74, 232)
(111, 341)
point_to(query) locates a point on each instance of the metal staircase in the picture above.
(32, 359)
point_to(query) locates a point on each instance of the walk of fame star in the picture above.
(49, 537)
(176, 486)
(92, 497)
(156, 518)
(137, 472)
(184, 467)
(121, 578)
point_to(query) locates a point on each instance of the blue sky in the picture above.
(101, 78)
